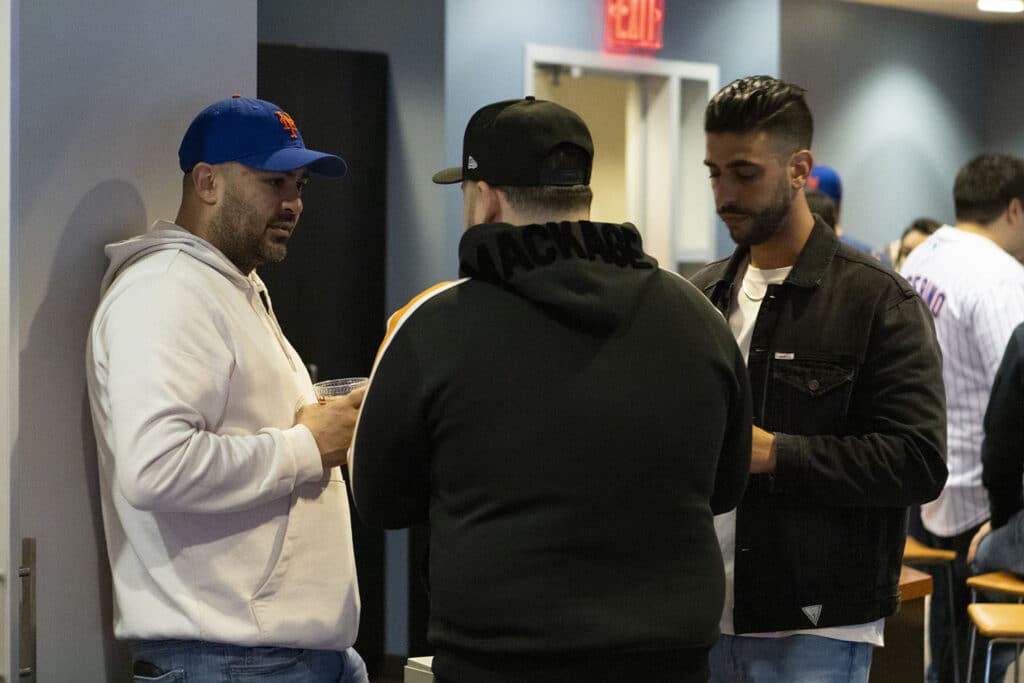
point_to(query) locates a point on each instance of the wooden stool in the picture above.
(918, 554)
(1004, 620)
(1000, 623)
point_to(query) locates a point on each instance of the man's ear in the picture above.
(1015, 211)
(488, 207)
(206, 182)
(800, 165)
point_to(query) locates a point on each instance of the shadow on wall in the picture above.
(56, 448)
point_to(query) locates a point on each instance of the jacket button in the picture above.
(814, 385)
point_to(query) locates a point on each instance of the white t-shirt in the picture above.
(743, 310)
(975, 292)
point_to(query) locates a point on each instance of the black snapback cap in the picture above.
(506, 144)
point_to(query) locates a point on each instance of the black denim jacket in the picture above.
(846, 372)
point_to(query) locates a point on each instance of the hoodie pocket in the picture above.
(310, 598)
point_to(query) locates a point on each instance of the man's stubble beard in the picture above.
(766, 223)
(242, 236)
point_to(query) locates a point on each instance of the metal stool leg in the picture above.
(1016, 665)
(974, 634)
(952, 625)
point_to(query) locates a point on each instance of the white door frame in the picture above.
(9, 556)
(681, 229)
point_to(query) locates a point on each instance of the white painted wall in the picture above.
(103, 92)
(7, 356)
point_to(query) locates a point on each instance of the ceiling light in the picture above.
(1008, 6)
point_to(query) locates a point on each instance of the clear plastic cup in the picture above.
(333, 388)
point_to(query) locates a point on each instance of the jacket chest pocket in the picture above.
(808, 394)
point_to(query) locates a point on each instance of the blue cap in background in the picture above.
(825, 179)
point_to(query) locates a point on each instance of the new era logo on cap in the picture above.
(506, 143)
(255, 133)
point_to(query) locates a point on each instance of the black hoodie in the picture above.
(568, 418)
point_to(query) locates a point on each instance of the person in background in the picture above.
(226, 516)
(825, 179)
(567, 417)
(820, 204)
(912, 237)
(998, 546)
(970, 278)
(849, 419)
(999, 543)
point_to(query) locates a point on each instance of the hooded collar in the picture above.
(166, 235)
(589, 274)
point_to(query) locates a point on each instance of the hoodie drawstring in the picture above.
(268, 308)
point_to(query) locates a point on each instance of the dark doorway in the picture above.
(329, 292)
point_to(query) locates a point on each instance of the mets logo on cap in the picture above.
(288, 123)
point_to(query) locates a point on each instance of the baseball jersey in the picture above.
(975, 292)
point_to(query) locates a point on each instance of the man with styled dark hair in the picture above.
(849, 419)
(567, 417)
(972, 280)
(764, 104)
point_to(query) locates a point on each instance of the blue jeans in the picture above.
(167, 661)
(808, 659)
(1003, 549)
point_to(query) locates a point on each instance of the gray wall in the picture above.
(484, 54)
(412, 35)
(1004, 101)
(103, 92)
(900, 102)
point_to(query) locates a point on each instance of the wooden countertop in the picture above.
(914, 583)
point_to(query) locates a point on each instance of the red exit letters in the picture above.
(634, 23)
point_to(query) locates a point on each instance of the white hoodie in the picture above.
(221, 523)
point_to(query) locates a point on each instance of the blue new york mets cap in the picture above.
(254, 133)
(825, 179)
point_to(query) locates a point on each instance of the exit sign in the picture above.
(634, 23)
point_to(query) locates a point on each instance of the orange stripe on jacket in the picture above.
(396, 317)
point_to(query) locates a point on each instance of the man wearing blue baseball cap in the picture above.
(825, 179)
(226, 516)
